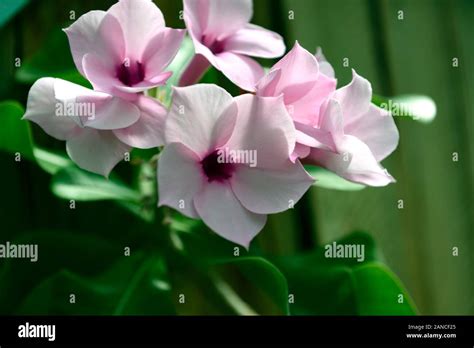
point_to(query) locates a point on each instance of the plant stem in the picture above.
(230, 296)
(194, 71)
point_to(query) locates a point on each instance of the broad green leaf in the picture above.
(250, 283)
(148, 292)
(41, 65)
(80, 185)
(199, 243)
(15, 134)
(324, 285)
(51, 162)
(84, 254)
(9, 8)
(418, 107)
(138, 210)
(134, 285)
(259, 277)
(329, 180)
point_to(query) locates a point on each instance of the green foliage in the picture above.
(51, 162)
(262, 274)
(231, 280)
(15, 135)
(320, 285)
(329, 180)
(41, 65)
(9, 8)
(344, 286)
(74, 183)
(101, 278)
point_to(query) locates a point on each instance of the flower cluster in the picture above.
(292, 115)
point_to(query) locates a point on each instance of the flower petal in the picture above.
(255, 41)
(218, 207)
(140, 20)
(377, 129)
(301, 151)
(267, 85)
(179, 178)
(299, 70)
(324, 66)
(86, 36)
(195, 113)
(195, 14)
(102, 76)
(314, 137)
(41, 109)
(160, 51)
(271, 191)
(226, 17)
(354, 162)
(355, 98)
(96, 151)
(241, 70)
(96, 109)
(148, 131)
(264, 125)
(303, 87)
(145, 85)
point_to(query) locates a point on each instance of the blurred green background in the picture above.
(399, 56)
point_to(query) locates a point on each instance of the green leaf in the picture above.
(134, 285)
(418, 107)
(80, 185)
(177, 67)
(199, 243)
(81, 253)
(15, 134)
(329, 180)
(148, 292)
(249, 283)
(322, 285)
(51, 162)
(263, 286)
(9, 8)
(41, 65)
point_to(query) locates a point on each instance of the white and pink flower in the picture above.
(126, 49)
(356, 134)
(233, 199)
(223, 37)
(304, 89)
(97, 140)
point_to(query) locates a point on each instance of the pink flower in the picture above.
(98, 128)
(324, 66)
(126, 49)
(304, 88)
(204, 129)
(356, 134)
(223, 37)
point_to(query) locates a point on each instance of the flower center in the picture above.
(130, 73)
(216, 46)
(215, 168)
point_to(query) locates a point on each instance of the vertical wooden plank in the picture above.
(415, 240)
(343, 30)
(421, 48)
(462, 20)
